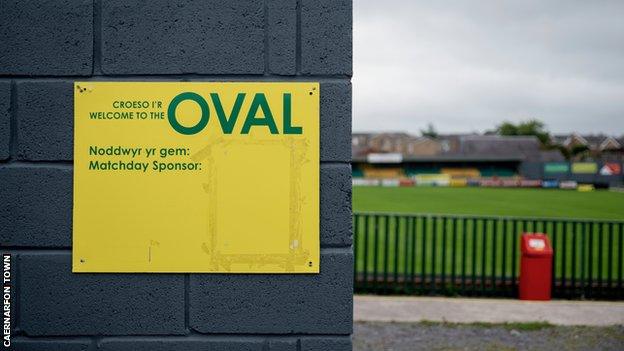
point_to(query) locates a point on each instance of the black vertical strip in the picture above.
(375, 252)
(515, 230)
(397, 238)
(464, 255)
(620, 267)
(365, 275)
(610, 262)
(413, 255)
(444, 249)
(564, 254)
(376, 248)
(424, 225)
(386, 251)
(473, 232)
(356, 255)
(573, 257)
(434, 234)
(590, 261)
(494, 231)
(484, 226)
(406, 237)
(583, 259)
(600, 262)
(553, 268)
(505, 258)
(454, 251)
(538, 226)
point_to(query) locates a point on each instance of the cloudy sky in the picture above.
(467, 65)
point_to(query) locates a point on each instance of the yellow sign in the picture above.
(584, 167)
(196, 177)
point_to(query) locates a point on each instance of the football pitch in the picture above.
(599, 204)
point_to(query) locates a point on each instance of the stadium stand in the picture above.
(478, 160)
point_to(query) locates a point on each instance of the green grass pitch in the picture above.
(491, 202)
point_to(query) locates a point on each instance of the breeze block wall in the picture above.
(46, 45)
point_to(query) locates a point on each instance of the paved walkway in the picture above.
(462, 310)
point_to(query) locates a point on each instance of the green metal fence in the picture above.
(429, 254)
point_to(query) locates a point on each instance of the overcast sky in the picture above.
(467, 65)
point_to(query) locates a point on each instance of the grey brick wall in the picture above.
(5, 119)
(48, 45)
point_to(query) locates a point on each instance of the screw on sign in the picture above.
(535, 267)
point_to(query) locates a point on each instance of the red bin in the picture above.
(535, 267)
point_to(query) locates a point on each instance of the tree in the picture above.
(579, 151)
(429, 132)
(507, 128)
(530, 127)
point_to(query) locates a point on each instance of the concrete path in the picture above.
(463, 310)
